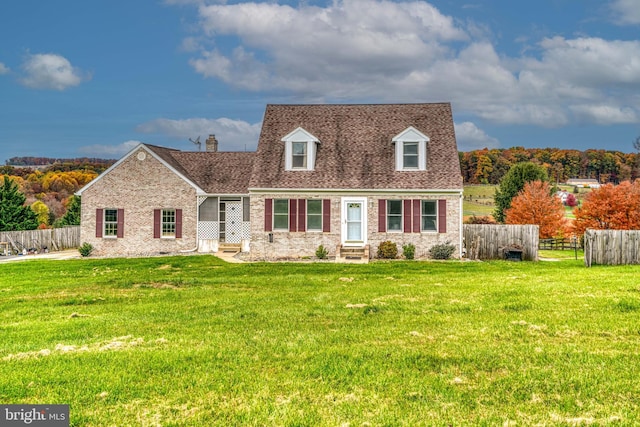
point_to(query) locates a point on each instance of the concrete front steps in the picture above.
(352, 254)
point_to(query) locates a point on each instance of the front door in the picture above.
(354, 221)
(230, 221)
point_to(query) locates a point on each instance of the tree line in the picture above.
(489, 166)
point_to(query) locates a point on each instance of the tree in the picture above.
(513, 182)
(572, 201)
(536, 205)
(14, 215)
(72, 217)
(42, 212)
(610, 207)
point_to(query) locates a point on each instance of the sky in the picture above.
(95, 78)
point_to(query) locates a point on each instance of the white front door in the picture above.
(354, 221)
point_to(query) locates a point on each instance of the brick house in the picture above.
(343, 176)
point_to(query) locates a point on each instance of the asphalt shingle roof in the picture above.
(355, 150)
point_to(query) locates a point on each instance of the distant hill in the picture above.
(61, 165)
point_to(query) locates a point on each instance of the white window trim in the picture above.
(315, 230)
(300, 135)
(411, 134)
(104, 224)
(162, 223)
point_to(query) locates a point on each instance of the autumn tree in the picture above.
(42, 212)
(14, 215)
(610, 207)
(536, 205)
(513, 182)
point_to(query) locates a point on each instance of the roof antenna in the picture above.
(197, 142)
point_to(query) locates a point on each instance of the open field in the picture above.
(193, 341)
(478, 200)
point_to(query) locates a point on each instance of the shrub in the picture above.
(409, 251)
(321, 252)
(387, 250)
(442, 251)
(473, 219)
(86, 249)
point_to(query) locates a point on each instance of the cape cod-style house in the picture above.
(347, 177)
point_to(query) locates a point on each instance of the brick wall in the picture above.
(139, 186)
(287, 245)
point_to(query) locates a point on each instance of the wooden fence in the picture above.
(491, 241)
(611, 247)
(55, 239)
(567, 243)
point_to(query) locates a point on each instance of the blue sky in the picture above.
(93, 78)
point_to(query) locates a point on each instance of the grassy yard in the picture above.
(478, 200)
(192, 341)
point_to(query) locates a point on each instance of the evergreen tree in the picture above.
(72, 217)
(513, 182)
(14, 215)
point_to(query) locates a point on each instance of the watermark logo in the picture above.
(34, 415)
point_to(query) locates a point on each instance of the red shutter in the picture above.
(178, 223)
(442, 216)
(268, 214)
(406, 215)
(293, 215)
(382, 216)
(120, 233)
(156, 223)
(302, 215)
(99, 224)
(416, 216)
(326, 215)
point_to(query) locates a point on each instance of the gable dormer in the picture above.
(300, 150)
(411, 150)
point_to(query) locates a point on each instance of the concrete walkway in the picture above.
(66, 254)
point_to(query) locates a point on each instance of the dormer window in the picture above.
(411, 150)
(300, 150)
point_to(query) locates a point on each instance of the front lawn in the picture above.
(193, 341)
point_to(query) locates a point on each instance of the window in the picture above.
(394, 215)
(299, 155)
(411, 150)
(168, 223)
(281, 214)
(429, 215)
(300, 150)
(111, 223)
(410, 155)
(314, 215)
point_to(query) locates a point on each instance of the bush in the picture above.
(321, 252)
(388, 250)
(473, 219)
(86, 249)
(409, 251)
(442, 251)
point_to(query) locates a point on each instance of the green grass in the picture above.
(478, 200)
(192, 341)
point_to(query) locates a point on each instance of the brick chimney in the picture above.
(212, 143)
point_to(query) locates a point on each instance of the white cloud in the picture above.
(3, 69)
(233, 135)
(470, 137)
(410, 52)
(109, 151)
(50, 71)
(627, 12)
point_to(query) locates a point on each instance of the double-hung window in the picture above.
(411, 150)
(281, 214)
(168, 223)
(299, 155)
(314, 215)
(394, 215)
(110, 223)
(429, 215)
(410, 155)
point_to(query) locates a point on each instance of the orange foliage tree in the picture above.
(535, 204)
(610, 207)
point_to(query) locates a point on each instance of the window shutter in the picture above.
(302, 215)
(120, 233)
(416, 216)
(382, 216)
(407, 217)
(99, 218)
(442, 216)
(268, 214)
(178, 223)
(156, 223)
(326, 215)
(293, 215)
